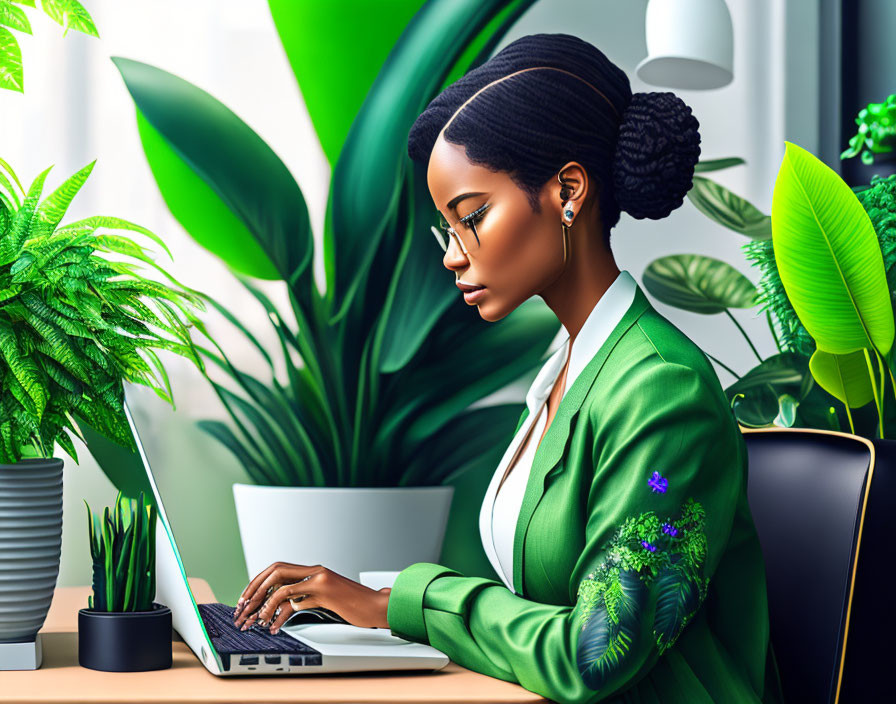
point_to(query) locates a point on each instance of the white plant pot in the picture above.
(346, 529)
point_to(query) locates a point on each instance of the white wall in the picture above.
(76, 108)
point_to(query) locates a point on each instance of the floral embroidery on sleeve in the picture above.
(644, 553)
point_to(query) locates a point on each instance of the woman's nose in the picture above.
(454, 256)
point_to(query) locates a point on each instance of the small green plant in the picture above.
(70, 14)
(74, 324)
(123, 548)
(876, 133)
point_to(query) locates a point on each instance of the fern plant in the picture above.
(75, 324)
(123, 548)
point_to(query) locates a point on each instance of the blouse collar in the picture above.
(605, 316)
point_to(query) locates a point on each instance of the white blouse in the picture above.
(500, 509)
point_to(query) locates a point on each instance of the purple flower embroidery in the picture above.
(670, 529)
(658, 483)
(648, 546)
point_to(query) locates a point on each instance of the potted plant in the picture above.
(123, 629)
(74, 325)
(844, 299)
(365, 409)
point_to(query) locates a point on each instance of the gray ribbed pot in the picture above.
(30, 544)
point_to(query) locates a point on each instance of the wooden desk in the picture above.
(61, 679)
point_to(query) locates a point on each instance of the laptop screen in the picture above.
(172, 588)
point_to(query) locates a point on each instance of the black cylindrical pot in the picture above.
(125, 641)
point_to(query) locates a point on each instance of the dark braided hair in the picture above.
(531, 124)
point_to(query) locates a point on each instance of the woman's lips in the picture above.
(473, 296)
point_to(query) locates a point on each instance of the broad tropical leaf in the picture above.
(828, 257)
(844, 376)
(698, 284)
(724, 207)
(234, 162)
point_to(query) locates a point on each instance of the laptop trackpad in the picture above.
(343, 634)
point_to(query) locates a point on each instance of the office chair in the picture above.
(824, 508)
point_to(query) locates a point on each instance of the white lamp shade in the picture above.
(690, 44)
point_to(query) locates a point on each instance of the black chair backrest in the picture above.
(821, 502)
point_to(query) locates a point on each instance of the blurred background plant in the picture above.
(75, 324)
(122, 545)
(877, 131)
(374, 392)
(70, 14)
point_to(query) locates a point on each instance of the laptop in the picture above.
(312, 641)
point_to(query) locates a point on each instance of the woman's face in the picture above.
(519, 252)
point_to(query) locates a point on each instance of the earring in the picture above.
(568, 215)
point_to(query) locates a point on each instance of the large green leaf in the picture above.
(367, 179)
(417, 299)
(233, 162)
(724, 207)
(844, 376)
(829, 258)
(335, 60)
(200, 210)
(698, 284)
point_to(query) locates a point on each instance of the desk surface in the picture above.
(61, 679)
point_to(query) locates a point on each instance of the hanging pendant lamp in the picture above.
(690, 44)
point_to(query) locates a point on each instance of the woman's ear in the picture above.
(570, 188)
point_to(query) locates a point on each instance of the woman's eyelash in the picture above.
(475, 216)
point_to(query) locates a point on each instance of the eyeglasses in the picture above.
(468, 223)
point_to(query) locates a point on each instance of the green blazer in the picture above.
(636, 564)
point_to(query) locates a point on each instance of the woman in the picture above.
(618, 518)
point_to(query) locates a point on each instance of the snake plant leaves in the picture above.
(611, 631)
(844, 376)
(201, 152)
(724, 207)
(366, 180)
(829, 258)
(325, 51)
(698, 284)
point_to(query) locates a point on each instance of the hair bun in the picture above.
(657, 148)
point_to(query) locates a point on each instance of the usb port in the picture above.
(272, 659)
(248, 660)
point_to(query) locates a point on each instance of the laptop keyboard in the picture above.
(254, 643)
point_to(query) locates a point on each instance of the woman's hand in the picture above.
(284, 588)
